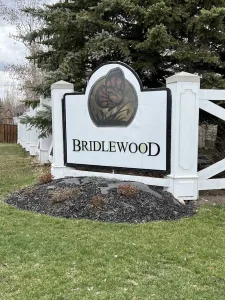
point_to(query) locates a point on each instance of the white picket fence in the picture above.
(184, 181)
(29, 139)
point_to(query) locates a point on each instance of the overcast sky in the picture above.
(10, 52)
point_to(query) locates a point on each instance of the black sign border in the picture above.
(168, 129)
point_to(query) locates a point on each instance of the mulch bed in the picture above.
(101, 199)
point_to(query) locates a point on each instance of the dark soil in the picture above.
(101, 199)
(211, 197)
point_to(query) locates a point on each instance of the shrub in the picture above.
(97, 202)
(45, 178)
(127, 190)
(64, 194)
(30, 190)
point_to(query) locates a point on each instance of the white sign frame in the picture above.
(90, 167)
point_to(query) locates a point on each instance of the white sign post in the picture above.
(184, 176)
(117, 123)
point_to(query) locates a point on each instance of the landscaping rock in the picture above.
(101, 199)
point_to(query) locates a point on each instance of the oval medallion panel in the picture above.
(113, 101)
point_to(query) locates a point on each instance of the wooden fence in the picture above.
(8, 133)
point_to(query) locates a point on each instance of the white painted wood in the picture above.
(184, 182)
(58, 90)
(33, 136)
(184, 145)
(212, 170)
(213, 109)
(25, 134)
(211, 184)
(22, 135)
(38, 148)
(27, 144)
(187, 107)
(44, 149)
(19, 132)
(183, 77)
(24, 128)
(44, 142)
(143, 179)
(212, 95)
(151, 114)
(50, 157)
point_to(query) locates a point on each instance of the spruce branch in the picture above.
(41, 121)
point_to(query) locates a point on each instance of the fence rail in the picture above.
(212, 95)
(8, 133)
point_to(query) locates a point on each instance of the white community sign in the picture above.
(117, 123)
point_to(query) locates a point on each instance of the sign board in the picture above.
(117, 123)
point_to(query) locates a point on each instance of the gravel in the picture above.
(100, 199)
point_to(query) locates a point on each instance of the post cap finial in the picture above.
(62, 85)
(183, 77)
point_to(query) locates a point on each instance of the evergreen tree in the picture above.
(42, 121)
(156, 38)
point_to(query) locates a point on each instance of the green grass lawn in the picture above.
(48, 258)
